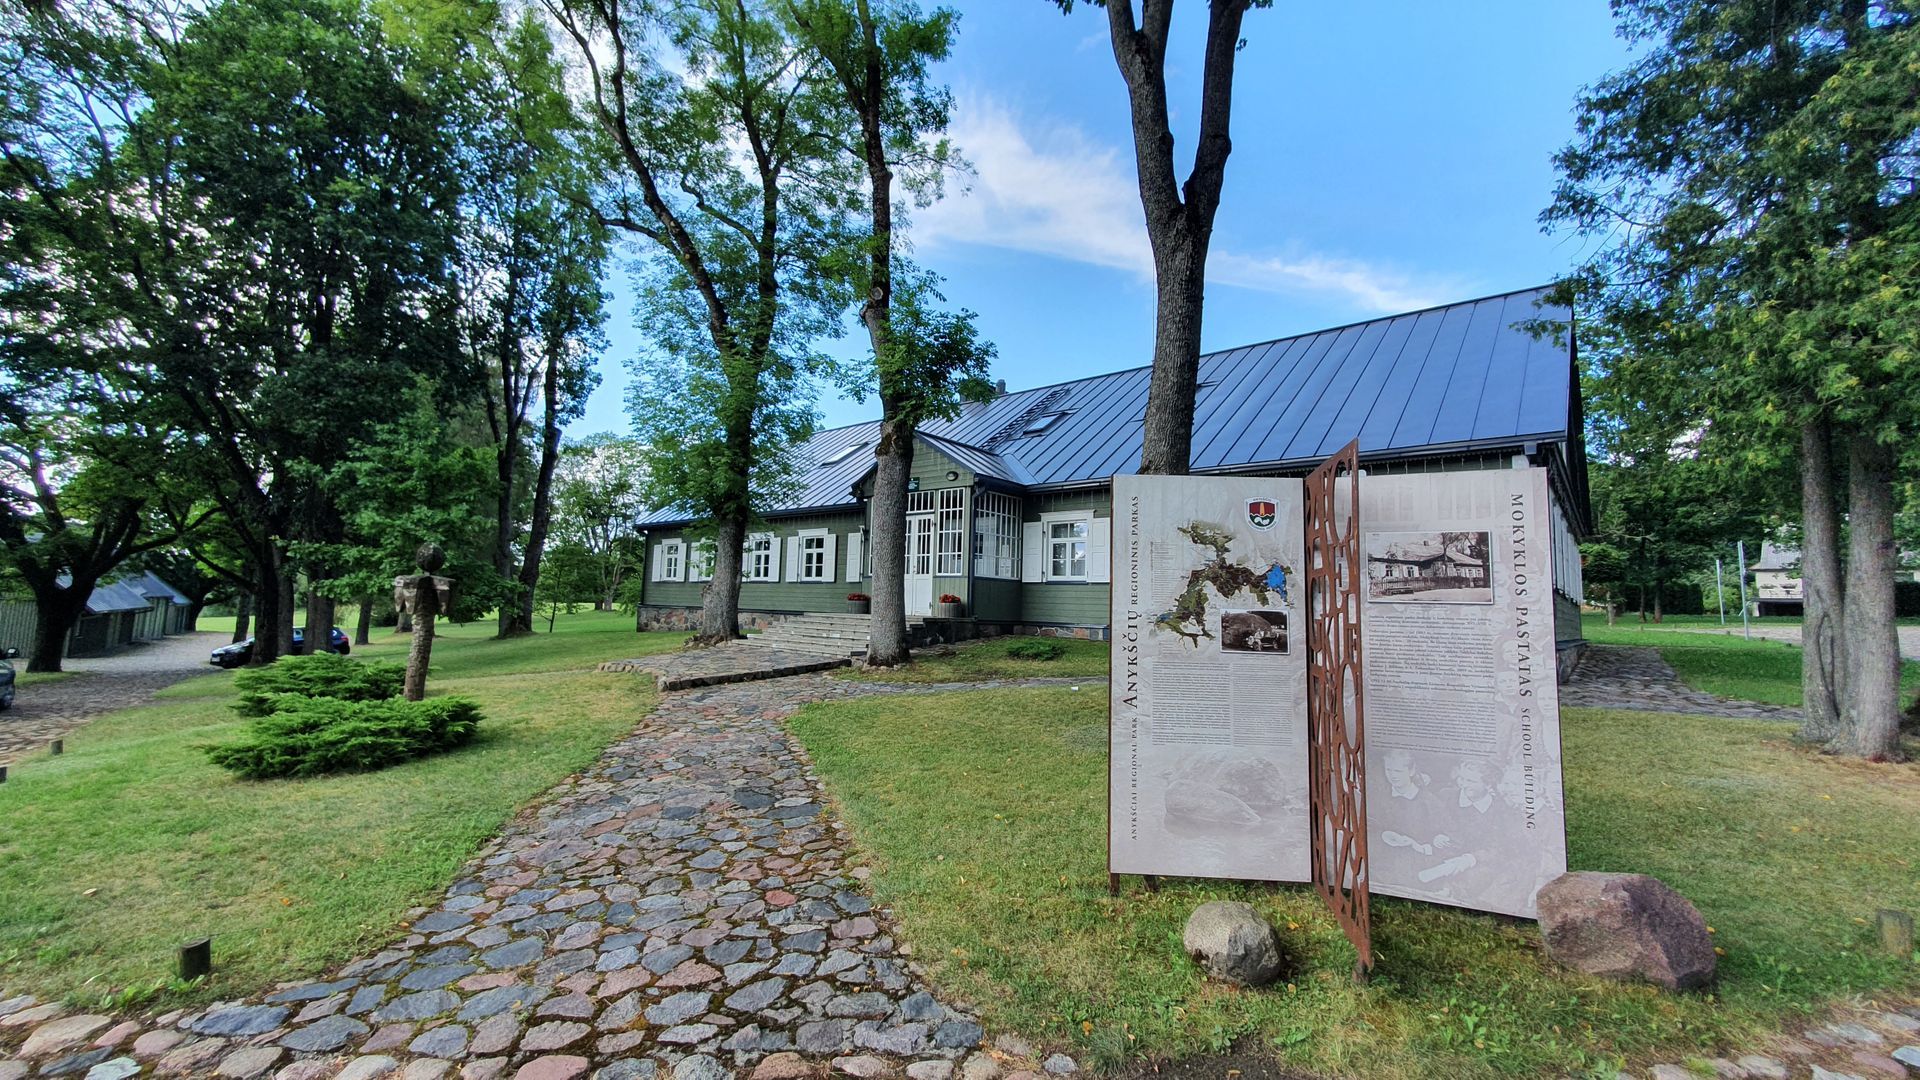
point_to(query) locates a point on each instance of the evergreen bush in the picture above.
(310, 736)
(321, 675)
(1036, 649)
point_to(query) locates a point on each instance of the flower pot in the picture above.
(859, 607)
(949, 611)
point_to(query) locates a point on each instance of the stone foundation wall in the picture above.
(961, 630)
(686, 620)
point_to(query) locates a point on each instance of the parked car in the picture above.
(238, 653)
(6, 678)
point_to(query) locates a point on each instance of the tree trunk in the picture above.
(887, 627)
(1872, 642)
(283, 621)
(720, 598)
(1167, 435)
(522, 621)
(269, 607)
(56, 613)
(1659, 609)
(403, 624)
(1822, 671)
(319, 622)
(363, 627)
(242, 617)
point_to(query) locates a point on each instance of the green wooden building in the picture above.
(1009, 503)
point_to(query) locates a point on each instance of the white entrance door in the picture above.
(920, 538)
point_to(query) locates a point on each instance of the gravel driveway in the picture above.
(100, 685)
(1909, 636)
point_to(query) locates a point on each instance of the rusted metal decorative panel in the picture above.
(1336, 700)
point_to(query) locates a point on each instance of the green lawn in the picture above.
(1727, 665)
(976, 661)
(983, 816)
(132, 843)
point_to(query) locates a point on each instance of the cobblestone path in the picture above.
(44, 712)
(1624, 677)
(684, 908)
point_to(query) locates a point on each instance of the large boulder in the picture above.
(1233, 943)
(1625, 927)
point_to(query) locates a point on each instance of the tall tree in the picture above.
(926, 361)
(531, 256)
(729, 179)
(313, 153)
(599, 496)
(84, 459)
(1179, 214)
(1751, 176)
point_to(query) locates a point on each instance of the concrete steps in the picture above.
(823, 634)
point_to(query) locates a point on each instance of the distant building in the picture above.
(1776, 581)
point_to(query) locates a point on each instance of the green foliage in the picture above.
(1035, 649)
(598, 493)
(319, 675)
(1750, 177)
(313, 736)
(738, 275)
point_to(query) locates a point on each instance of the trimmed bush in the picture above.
(1036, 649)
(321, 675)
(310, 736)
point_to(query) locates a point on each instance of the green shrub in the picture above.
(322, 675)
(1036, 649)
(309, 736)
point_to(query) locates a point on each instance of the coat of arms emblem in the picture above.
(1260, 513)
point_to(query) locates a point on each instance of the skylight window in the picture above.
(1042, 422)
(844, 453)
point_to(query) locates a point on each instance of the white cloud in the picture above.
(1052, 189)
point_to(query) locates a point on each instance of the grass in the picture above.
(1727, 665)
(23, 678)
(981, 660)
(133, 842)
(983, 816)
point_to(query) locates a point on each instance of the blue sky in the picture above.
(1387, 157)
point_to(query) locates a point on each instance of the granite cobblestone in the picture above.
(684, 907)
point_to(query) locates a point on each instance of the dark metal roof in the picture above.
(115, 596)
(1445, 380)
(154, 587)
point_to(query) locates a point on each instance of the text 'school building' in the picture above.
(1009, 503)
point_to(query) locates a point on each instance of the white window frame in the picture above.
(807, 539)
(950, 534)
(1083, 518)
(670, 564)
(700, 559)
(758, 545)
(996, 536)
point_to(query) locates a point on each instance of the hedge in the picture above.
(321, 675)
(310, 736)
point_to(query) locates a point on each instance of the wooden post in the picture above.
(424, 603)
(196, 958)
(1896, 932)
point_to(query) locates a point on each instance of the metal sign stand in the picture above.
(1336, 700)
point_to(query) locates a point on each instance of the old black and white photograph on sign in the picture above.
(1429, 567)
(1254, 631)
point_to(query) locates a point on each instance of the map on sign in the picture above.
(1258, 579)
(1209, 735)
